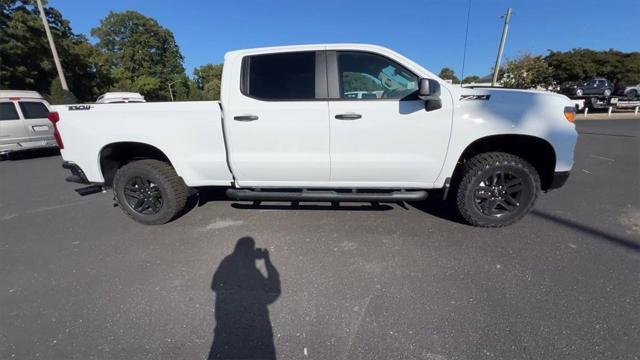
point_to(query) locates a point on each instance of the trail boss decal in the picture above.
(79, 107)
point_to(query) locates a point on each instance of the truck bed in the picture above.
(189, 131)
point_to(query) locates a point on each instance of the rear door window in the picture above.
(33, 110)
(8, 111)
(284, 76)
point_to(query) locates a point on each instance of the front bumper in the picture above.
(559, 179)
(78, 175)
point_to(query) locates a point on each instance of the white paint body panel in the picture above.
(396, 143)
(300, 144)
(188, 133)
(287, 146)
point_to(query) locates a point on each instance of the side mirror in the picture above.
(429, 89)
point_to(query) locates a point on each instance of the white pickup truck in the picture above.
(288, 128)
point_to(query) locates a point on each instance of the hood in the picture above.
(502, 94)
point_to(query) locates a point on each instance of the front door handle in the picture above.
(348, 116)
(245, 118)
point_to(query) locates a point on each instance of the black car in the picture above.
(592, 87)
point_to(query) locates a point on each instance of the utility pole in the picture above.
(56, 59)
(171, 91)
(501, 50)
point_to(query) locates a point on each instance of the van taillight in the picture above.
(54, 117)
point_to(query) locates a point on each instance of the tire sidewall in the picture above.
(167, 211)
(480, 168)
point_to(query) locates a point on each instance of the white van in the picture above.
(120, 98)
(24, 122)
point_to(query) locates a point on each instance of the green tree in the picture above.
(195, 94)
(470, 79)
(580, 65)
(25, 57)
(448, 74)
(208, 79)
(140, 54)
(526, 72)
(56, 93)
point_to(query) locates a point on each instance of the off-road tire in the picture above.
(481, 166)
(172, 189)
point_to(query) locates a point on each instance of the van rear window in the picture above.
(8, 111)
(33, 110)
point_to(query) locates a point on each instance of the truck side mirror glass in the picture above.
(429, 89)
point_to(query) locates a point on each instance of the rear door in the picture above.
(12, 129)
(276, 120)
(37, 126)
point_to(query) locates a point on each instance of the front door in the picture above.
(277, 121)
(381, 133)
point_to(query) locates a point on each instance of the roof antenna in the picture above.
(466, 37)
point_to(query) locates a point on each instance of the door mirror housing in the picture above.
(429, 89)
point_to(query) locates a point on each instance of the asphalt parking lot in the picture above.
(79, 280)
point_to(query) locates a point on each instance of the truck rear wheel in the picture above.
(497, 189)
(150, 191)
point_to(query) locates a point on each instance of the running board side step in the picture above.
(325, 195)
(89, 190)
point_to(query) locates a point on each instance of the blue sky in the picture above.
(431, 32)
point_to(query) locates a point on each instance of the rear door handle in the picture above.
(348, 116)
(245, 118)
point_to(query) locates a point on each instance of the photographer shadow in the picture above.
(243, 328)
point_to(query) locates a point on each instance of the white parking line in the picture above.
(602, 157)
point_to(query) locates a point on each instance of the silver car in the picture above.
(24, 122)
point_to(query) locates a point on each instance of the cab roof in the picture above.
(308, 47)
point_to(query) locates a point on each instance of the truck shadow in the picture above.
(434, 205)
(30, 154)
(271, 206)
(242, 294)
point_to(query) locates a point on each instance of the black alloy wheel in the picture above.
(499, 194)
(150, 191)
(143, 195)
(496, 189)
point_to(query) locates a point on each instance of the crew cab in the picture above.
(288, 128)
(23, 122)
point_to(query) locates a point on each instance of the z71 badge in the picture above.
(79, 107)
(474, 97)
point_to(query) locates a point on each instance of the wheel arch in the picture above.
(537, 151)
(115, 155)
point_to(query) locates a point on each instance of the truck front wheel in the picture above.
(496, 189)
(150, 191)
